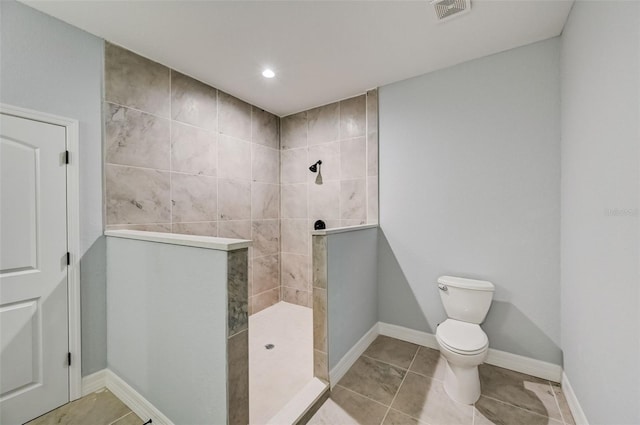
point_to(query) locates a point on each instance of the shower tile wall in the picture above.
(184, 157)
(344, 135)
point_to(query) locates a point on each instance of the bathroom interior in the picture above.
(359, 226)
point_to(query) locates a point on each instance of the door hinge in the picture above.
(69, 359)
(66, 157)
(68, 258)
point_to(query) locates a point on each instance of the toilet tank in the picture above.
(467, 300)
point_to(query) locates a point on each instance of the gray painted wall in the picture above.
(49, 66)
(601, 174)
(469, 186)
(351, 289)
(178, 365)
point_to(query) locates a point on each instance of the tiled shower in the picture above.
(344, 136)
(184, 157)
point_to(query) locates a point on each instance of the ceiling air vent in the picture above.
(447, 9)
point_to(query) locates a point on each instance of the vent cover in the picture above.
(447, 9)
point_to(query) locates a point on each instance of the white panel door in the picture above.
(34, 340)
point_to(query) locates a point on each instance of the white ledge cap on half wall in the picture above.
(343, 229)
(207, 242)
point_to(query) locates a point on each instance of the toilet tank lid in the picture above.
(460, 282)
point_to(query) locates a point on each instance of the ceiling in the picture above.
(321, 51)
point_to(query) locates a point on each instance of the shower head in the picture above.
(314, 167)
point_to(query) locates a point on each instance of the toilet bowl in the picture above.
(464, 348)
(462, 342)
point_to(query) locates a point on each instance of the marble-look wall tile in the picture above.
(266, 237)
(294, 166)
(329, 153)
(267, 273)
(372, 110)
(372, 199)
(353, 199)
(134, 81)
(136, 195)
(295, 236)
(265, 164)
(265, 128)
(295, 271)
(372, 154)
(193, 102)
(238, 379)
(264, 300)
(294, 201)
(320, 365)
(295, 296)
(250, 282)
(136, 138)
(294, 131)
(160, 227)
(203, 228)
(353, 158)
(352, 222)
(323, 124)
(234, 117)
(237, 291)
(235, 229)
(193, 198)
(265, 201)
(234, 158)
(193, 150)
(324, 201)
(234, 199)
(320, 319)
(353, 118)
(319, 269)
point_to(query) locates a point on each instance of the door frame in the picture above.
(73, 235)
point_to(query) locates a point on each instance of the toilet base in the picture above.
(462, 384)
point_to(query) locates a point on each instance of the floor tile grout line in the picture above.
(387, 363)
(420, 421)
(521, 408)
(121, 417)
(415, 355)
(408, 369)
(557, 403)
(361, 395)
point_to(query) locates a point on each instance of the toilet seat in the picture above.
(462, 337)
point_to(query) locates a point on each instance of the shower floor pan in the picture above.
(281, 383)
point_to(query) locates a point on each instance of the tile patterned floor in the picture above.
(99, 408)
(399, 383)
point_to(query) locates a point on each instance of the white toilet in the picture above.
(461, 340)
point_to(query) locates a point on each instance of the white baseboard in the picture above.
(133, 399)
(576, 410)
(352, 355)
(94, 382)
(533, 367)
(410, 335)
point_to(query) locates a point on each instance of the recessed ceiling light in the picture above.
(267, 73)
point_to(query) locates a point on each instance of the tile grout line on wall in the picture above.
(171, 151)
(250, 258)
(366, 157)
